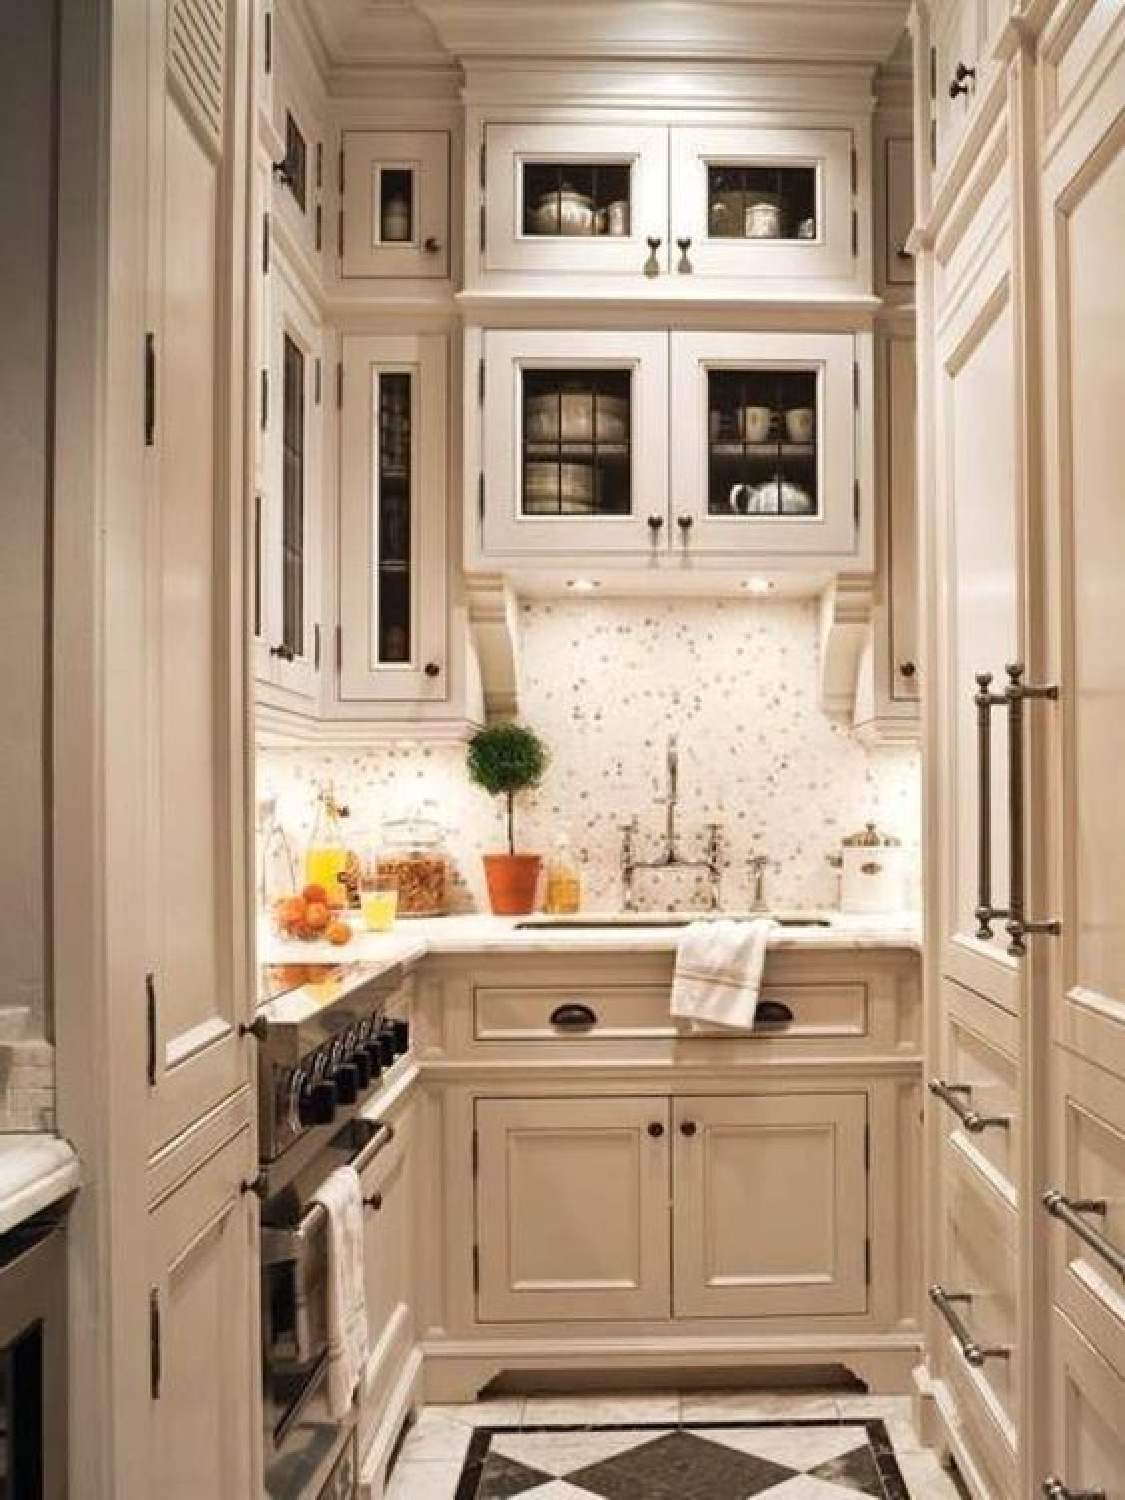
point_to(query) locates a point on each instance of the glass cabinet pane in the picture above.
(572, 198)
(762, 442)
(293, 498)
(394, 520)
(762, 202)
(577, 441)
(394, 206)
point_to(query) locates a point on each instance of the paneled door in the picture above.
(979, 486)
(770, 1205)
(572, 1209)
(1082, 234)
(196, 471)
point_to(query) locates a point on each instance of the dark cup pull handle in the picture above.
(574, 1017)
(773, 1013)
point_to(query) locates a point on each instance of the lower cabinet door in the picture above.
(770, 1205)
(572, 1209)
(1087, 1418)
(203, 1376)
(389, 1189)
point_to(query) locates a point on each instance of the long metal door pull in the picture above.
(974, 1354)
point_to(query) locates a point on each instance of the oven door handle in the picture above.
(293, 1413)
(279, 1245)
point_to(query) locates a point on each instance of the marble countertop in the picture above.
(35, 1171)
(413, 940)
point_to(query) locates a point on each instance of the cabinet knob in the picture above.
(652, 265)
(283, 653)
(688, 1128)
(964, 80)
(684, 245)
(685, 523)
(374, 1203)
(655, 526)
(908, 669)
(431, 245)
(432, 669)
(656, 1130)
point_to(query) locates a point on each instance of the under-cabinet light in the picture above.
(583, 585)
(757, 585)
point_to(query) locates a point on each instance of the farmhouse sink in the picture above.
(618, 921)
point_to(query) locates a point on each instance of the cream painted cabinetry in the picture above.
(395, 210)
(667, 1196)
(202, 1432)
(776, 205)
(579, 455)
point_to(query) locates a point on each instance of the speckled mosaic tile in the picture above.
(605, 683)
(708, 1461)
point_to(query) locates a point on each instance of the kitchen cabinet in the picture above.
(201, 1429)
(638, 201)
(580, 455)
(287, 519)
(572, 1208)
(394, 594)
(954, 78)
(192, 989)
(395, 212)
(895, 213)
(770, 1205)
(1087, 1397)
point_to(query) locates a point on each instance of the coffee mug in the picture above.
(800, 424)
(756, 423)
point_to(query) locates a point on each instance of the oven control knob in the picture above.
(346, 1080)
(400, 1030)
(360, 1060)
(318, 1104)
(387, 1049)
(374, 1054)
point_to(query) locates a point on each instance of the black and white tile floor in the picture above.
(669, 1447)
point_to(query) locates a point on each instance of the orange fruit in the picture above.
(291, 911)
(315, 894)
(339, 933)
(316, 916)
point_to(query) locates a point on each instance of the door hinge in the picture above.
(933, 143)
(265, 243)
(480, 380)
(318, 230)
(476, 1268)
(339, 384)
(340, 172)
(933, 72)
(483, 162)
(320, 164)
(476, 1152)
(150, 389)
(150, 1027)
(340, 234)
(855, 232)
(867, 1148)
(316, 380)
(867, 1260)
(267, 42)
(264, 401)
(483, 229)
(154, 1359)
(855, 383)
(480, 496)
(339, 648)
(316, 647)
(855, 170)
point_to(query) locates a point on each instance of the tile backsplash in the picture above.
(605, 683)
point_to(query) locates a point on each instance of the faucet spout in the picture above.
(673, 797)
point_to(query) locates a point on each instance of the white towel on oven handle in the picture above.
(348, 1344)
(719, 971)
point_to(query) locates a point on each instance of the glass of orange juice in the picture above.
(378, 901)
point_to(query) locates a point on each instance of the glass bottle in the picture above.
(564, 881)
(327, 857)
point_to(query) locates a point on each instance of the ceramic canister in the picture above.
(872, 872)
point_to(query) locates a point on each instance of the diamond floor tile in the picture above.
(681, 1466)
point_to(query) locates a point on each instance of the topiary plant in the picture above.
(505, 759)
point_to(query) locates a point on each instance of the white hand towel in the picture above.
(719, 971)
(342, 1197)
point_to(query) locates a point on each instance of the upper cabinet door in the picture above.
(197, 917)
(574, 442)
(956, 43)
(393, 627)
(578, 198)
(763, 454)
(396, 204)
(898, 210)
(773, 204)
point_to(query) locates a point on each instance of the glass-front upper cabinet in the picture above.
(770, 204)
(395, 204)
(763, 458)
(581, 198)
(393, 627)
(574, 441)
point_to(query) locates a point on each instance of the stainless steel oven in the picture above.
(324, 1054)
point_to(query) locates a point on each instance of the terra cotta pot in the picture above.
(512, 883)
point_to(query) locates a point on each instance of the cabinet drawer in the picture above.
(978, 1310)
(976, 1093)
(1087, 1404)
(632, 1012)
(1087, 1198)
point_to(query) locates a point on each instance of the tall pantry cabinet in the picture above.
(151, 897)
(1021, 220)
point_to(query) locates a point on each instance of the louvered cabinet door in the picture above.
(196, 919)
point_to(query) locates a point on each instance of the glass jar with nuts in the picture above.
(413, 858)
